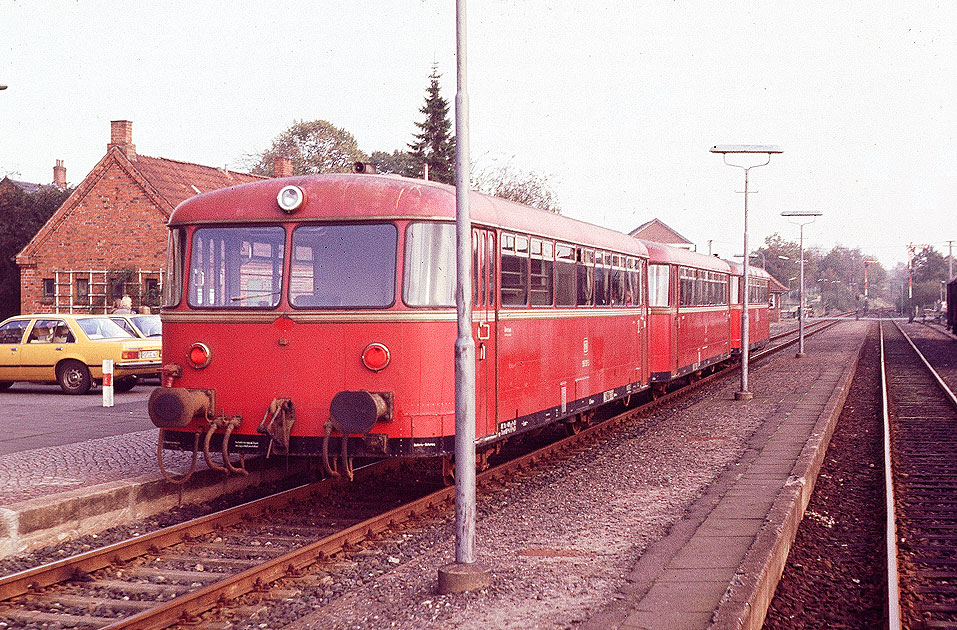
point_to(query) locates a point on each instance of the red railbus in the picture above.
(759, 324)
(689, 311)
(316, 315)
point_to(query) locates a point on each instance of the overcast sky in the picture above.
(616, 102)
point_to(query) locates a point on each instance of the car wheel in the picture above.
(5, 385)
(126, 383)
(74, 377)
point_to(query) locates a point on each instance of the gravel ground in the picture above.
(559, 540)
(835, 573)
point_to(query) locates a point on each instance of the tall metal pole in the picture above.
(744, 394)
(724, 150)
(800, 352)
(464, 574)
(950, 261)
(808, 216)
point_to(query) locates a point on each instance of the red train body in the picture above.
(287, 329)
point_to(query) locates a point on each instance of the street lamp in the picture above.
(803, 218)
(745, 149)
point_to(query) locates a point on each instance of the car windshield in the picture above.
(101, 328)
(149, 325)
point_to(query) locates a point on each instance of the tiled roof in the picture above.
(178, 181)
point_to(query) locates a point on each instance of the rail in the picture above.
(920, 417)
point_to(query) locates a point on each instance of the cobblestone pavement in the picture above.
(44, 471)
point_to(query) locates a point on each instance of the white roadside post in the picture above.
(746, 149)
(107, 382)
(465, 574)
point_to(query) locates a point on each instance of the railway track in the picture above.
(176, 574)
(920, 425)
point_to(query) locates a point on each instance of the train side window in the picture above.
(478, 291)
(542, 270)
(564, 275)
(173, 282)
(602, 274)
(658, 281)
(429, 274)
(685, 287)
(734, 289)
(616, 284)
(514, 267)
(490, 275)
(585, 272)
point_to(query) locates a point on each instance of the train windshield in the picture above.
(236, 267)
(335, 266)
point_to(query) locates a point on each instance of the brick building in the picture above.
(656, 230)
(108, 239)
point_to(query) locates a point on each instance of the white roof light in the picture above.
(290, 198)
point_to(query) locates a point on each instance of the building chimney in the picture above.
(59, 175)
(281, 166)
(121, 136)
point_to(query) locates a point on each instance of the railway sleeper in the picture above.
(25, 617)
(176, 577)
(100, 604)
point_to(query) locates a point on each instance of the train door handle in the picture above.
(484, 331)
(481, 352)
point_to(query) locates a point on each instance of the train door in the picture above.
(483, 323)
(677, 335)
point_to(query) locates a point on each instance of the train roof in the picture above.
(661, 253)
(371, 196)
(754, 272)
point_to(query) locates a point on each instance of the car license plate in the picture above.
(151, 354)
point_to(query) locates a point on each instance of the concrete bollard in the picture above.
(107, 382)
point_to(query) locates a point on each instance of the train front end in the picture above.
(284, 331)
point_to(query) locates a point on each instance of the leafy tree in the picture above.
(395, 163)
(510, 183)
(928, 264)
(21, 217)
(929, 269)
(315, 146)
(435, 143)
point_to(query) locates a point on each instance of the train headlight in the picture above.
(375, 357)
(290, 198)
(199, 355)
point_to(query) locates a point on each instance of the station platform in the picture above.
(719, 566)
(55, 493)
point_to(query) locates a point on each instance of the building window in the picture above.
(49, 287)
(82, 288)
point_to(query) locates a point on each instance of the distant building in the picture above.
(656, 230)
(8, 186)
(108, 239)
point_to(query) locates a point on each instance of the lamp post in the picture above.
(745, 149)
(803, 218)
(465, 574)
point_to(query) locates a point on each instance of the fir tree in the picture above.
(434, 144)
